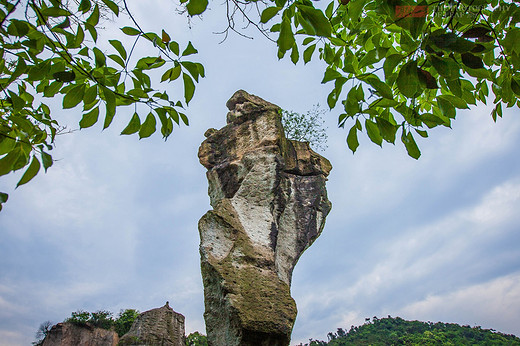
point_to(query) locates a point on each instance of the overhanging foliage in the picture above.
(398, 68)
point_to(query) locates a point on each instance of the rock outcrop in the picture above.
(269, 205)
(67, 334)
(161, 326)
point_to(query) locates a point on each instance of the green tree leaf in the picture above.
(408, 80)
(92, 30)
(295, 56)
(355, 7)
(410, 145)
(454, 100)
(31, 172)
(64, 76)
(472, 61)
(93, 19)
(148, 127)
(8, 161)
(47, 160)
(432, 120)
(74, 96)
(386, 129)
(174, 47)
(90, 95)
(6, 145)
(133, 126)
(100, 57)
(89, 118)
(515, 86)
(286, 38)
(17, 101)
(18, 28)
(119, 48)
(189, 50)
(446, 108)
(176, 72)
(84, 6)
(316, 19)
(128, 30)
(307, 53)
(118, 60)
(112, 5)
(445, 67)
(330, 74)
(382, 88)
(196, 7)
(110, 99)
(373, 132)
(189, 87)
(269, 13)
(55, 12)
(352, 140)
(184, 119)
(390, 63)
(192, 69)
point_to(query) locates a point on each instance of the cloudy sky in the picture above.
(113, 224)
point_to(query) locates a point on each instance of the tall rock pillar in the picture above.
(269, 205)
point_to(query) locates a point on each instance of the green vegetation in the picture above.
(48, 48)
(103, 319)
(196, 339)
(124, 321)
(409, 66)
(397, 331)
(306, 127)
(375, 332)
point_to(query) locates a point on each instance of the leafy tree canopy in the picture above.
(306, 127)
(397, 68)
(49, 48)
(397, 331)
(103, 319)
(196, 339)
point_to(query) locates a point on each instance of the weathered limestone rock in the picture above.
(161, 326)
(66, 334)
(269, 205)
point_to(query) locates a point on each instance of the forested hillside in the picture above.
(397, 331)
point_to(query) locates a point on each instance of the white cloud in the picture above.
(489, 304)
(10, 338)
(482, 136)
(499, 206)
(7, 305)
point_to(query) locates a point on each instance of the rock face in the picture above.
(161, 326)
(269, 205)
(66, 334)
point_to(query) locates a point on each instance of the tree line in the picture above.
(397, 331)
(375, 331)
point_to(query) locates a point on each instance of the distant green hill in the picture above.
(397, 331)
